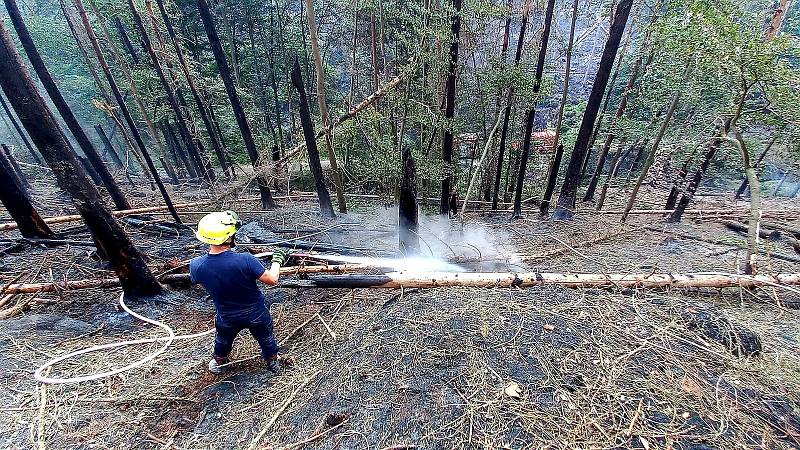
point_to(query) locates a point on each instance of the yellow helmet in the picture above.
(216, 228)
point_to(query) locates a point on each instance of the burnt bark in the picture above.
(507, 114)
(126, 41)
(449, 110)
(12, 175)
(19, 207)
(691, 188)
(408, 211)
(20, 133)
(64, 109)
(112, 152)
(678, 184)
(12, 161)
(236, 104)
(183, 127)
(124, 110)
(325, 206)
(199, 101)
(526, 146)
(566, 200)
(125, 258)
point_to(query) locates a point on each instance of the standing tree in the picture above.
(569, 190)
(63, 108)
(526, 145)
(449, 110)
(125, 258)
(324, 196)
(238, 111)
(124, 109)
(408, 210)
(20, 133)
(555, 164)
(323, 107)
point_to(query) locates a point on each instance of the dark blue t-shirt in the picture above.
(231, 279)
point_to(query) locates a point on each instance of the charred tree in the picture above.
(64, 109)
(172, 138)
(507, 112)
(108, 146)
(183, 127)
(653, 150)
(677, 185)
(10, 170)
(19, 207)
(408, 211)
(449, 110)
(623, 104)
(569, 189)
(555, 164)
(124, 110)
(20, 133)
(694, 183)
(236, 104)
(323, 106)
(126, 41)
(9, 155)
(325, 206)
(526, 146)
(202, 108)
(125, 258)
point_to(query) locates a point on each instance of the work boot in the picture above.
(216, 365)
(276, 363)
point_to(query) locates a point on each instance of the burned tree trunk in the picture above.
(507, 112)
(678, 184)
(126, 42)
(694, 183)
(12, 161)
(652, 155)
(199, 101)
(183, 127)
(134, 92)
(569, 190)
(10, 172)
(526, 147)
(408, 211)
(20, 133)
(555, 164)
(449, 110)
(323, 106)
(125, 258)
(172, 138)
(623, 104)
(325, 206)
(124, 109)
(109, 146)
(236, 104)
(63, 108)
(19, 207)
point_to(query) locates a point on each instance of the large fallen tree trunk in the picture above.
(453, 279)
(530, 279)
(174, 278)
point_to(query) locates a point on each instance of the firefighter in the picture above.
(231, 280)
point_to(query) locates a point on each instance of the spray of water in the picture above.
(410, 264)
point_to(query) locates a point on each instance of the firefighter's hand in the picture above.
(279, 256)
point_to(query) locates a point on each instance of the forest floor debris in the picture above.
(439, 368)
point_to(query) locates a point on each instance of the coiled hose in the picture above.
(171, 337)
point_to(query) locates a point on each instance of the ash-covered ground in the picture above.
(440, 368)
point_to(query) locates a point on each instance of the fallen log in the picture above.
(775, 234)
(175, 278)
(782, 227)
(530, 279)
(692, 237)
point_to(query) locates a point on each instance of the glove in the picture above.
(280, 256)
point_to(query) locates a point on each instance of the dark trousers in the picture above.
(260, 326)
